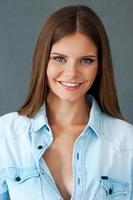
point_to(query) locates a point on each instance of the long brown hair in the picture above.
(69, 20)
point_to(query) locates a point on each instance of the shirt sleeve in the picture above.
(4, 194)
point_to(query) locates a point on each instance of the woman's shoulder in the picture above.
(118, 131)
(12, 122)
(114, 122)
(8, 116)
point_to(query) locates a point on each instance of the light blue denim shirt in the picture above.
(102, 159)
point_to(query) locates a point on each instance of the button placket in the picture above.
(78, 180)
(77, 191)
(37, 148)
(80, 149)
(46, 142)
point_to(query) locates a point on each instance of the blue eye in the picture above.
(87, 60)
(59, 58)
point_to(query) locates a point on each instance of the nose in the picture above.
(71, 69)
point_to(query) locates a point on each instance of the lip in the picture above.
(69, 87)
(71, 82)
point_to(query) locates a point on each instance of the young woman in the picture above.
(69, 140)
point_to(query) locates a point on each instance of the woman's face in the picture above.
(72, 67)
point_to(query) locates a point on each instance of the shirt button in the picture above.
(78, 181)
(104, 177)
(110, 190)
(40, 147)
(18, 178)
(77, 156)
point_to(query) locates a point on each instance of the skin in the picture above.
(67, 110)
(72, 68)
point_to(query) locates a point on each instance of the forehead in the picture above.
(76, 42)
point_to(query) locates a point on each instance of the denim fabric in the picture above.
(102, 159)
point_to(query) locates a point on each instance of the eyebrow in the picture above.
(67, 56)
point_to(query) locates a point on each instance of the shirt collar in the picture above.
(95, 117)
(94, 122)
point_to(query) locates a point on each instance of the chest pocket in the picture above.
(20, 175)
(23, 183)
(112, 189)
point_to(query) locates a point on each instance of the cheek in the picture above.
(91, 74)
(51, 72)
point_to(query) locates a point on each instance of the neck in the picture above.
(66, 113)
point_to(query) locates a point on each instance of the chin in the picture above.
(69, 99)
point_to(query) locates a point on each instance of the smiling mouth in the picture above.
(68, 85)
(70, 82)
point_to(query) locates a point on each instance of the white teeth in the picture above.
(70, 84)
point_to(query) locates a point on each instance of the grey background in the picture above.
(20, 24)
